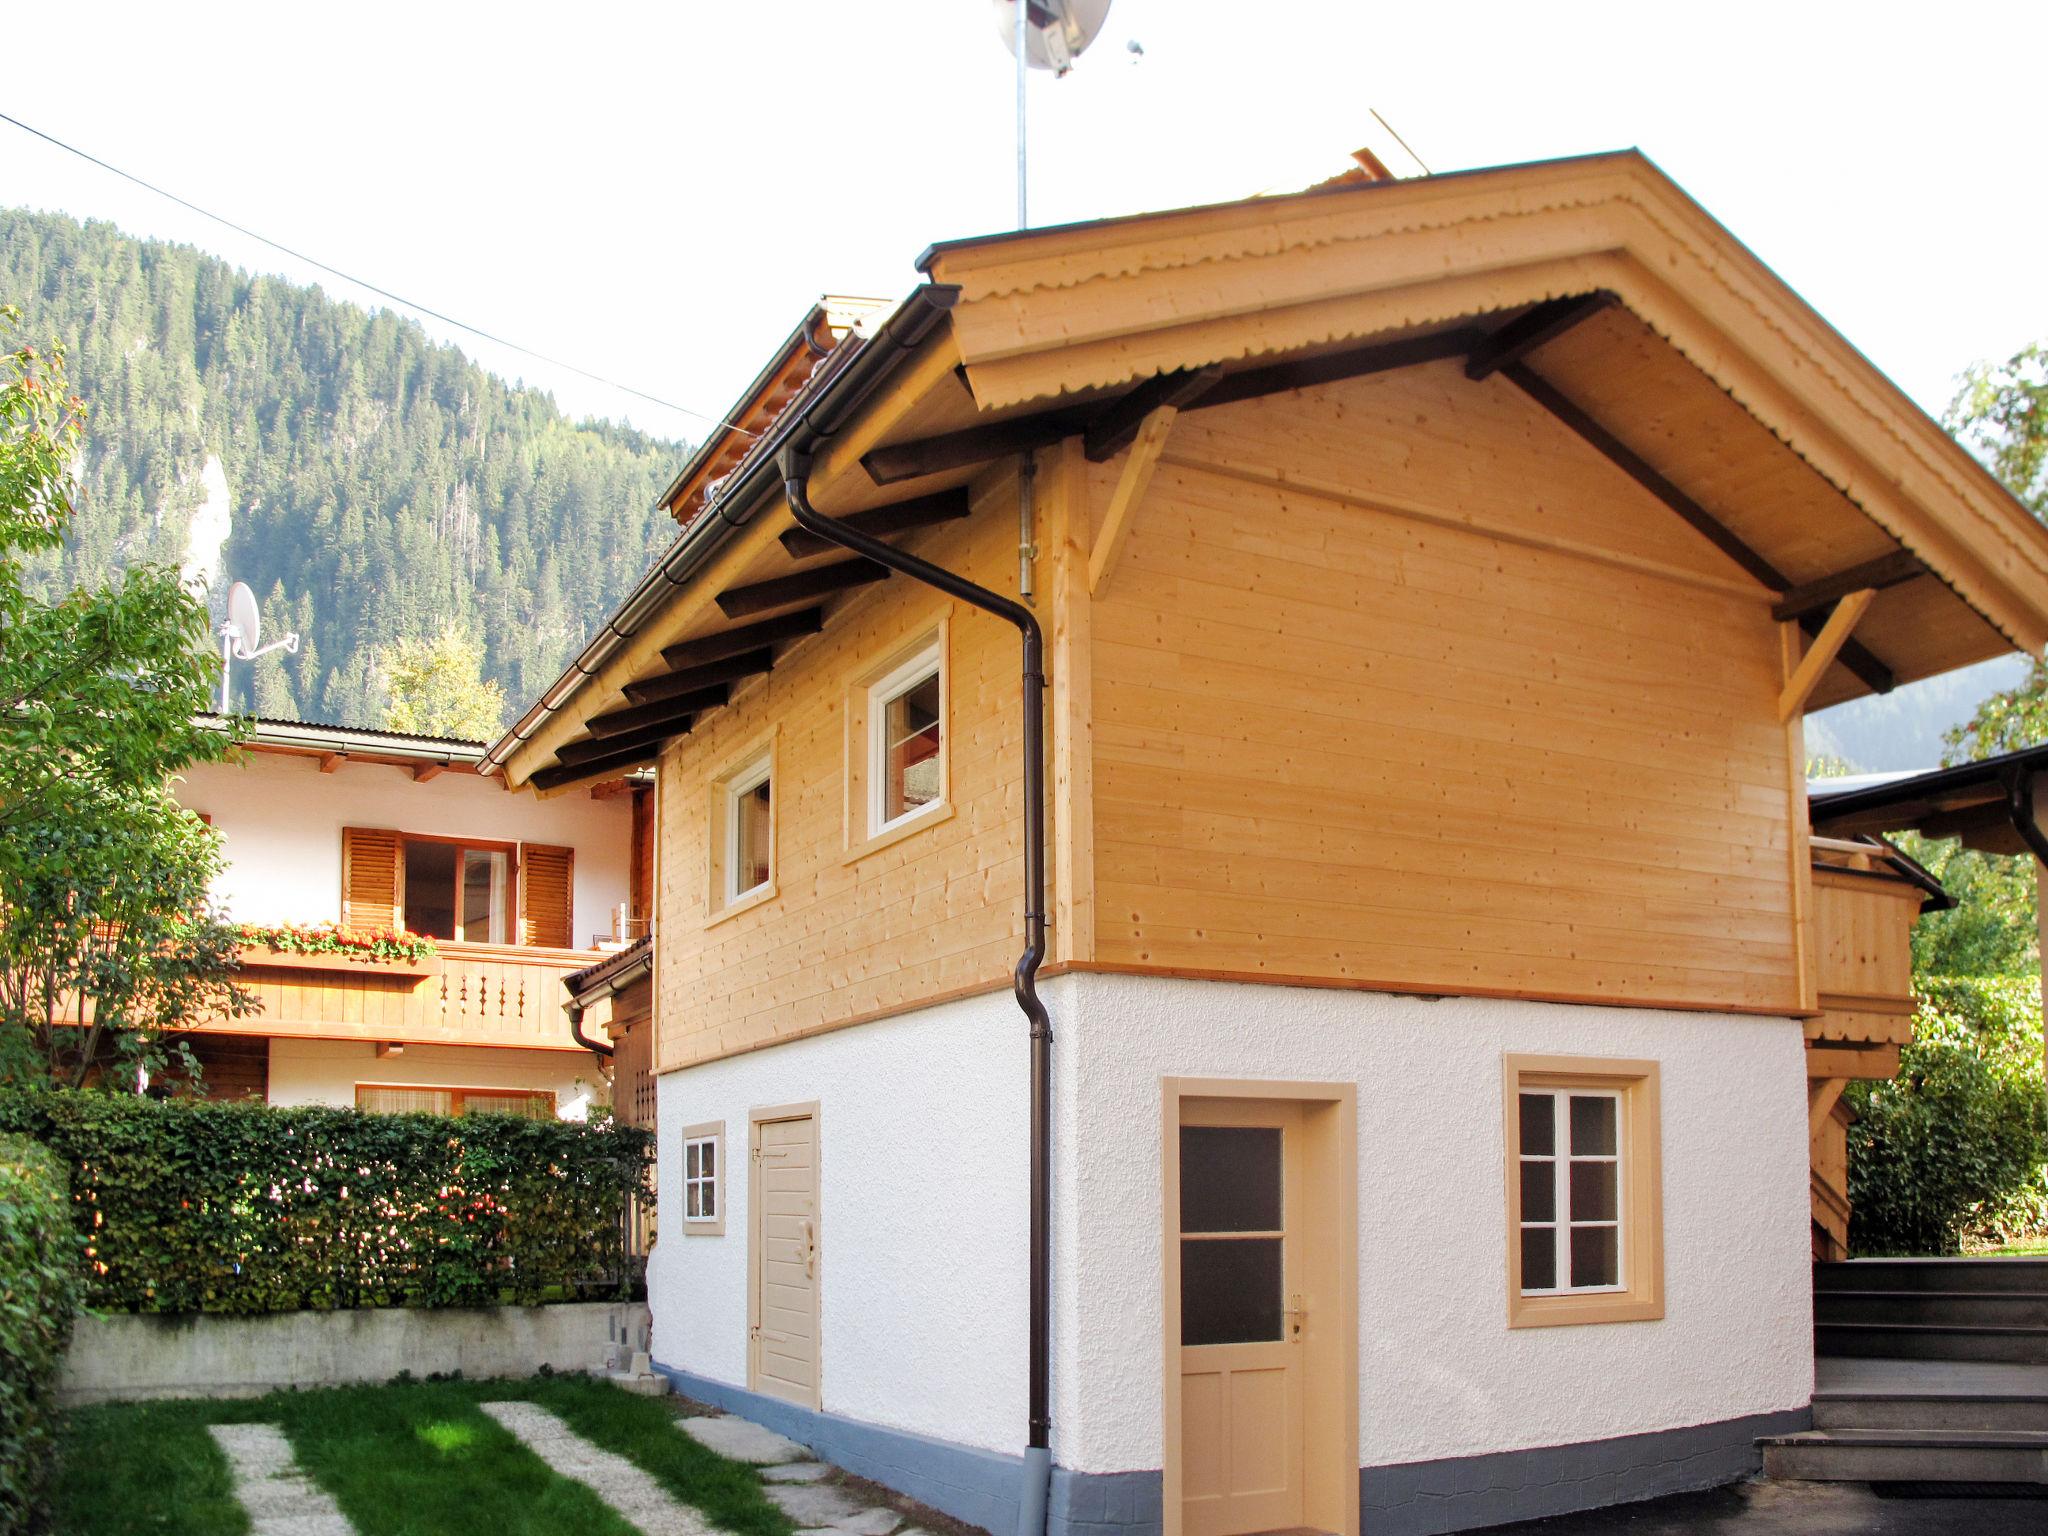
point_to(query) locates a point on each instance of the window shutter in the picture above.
(369, 879)
(545, 905)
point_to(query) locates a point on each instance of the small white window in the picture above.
(749, 808)
(1572, 1191)
(905, 742)
(703, 1173)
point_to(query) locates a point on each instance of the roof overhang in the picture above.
(1595, 287)
(1999, 805)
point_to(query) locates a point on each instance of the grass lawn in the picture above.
(409, 1459)
(2033, 1248)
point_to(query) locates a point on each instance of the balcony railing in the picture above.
(465, 994)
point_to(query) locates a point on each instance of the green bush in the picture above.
(198, 1206)
(1953, 1147)
(38, 1294)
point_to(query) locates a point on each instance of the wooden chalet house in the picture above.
(373, 831)
(1406, 1123)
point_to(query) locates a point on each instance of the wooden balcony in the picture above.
(466, 994)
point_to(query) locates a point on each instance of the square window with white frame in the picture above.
(1584, 1188)
(906, 741)
(703, 1179)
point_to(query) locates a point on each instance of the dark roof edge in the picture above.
(1877, 797)
(822, 407)
(613, 973)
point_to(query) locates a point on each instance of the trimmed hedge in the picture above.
(198, 1206)
(38, 1294)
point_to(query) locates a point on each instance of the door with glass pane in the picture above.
(1238, 1233)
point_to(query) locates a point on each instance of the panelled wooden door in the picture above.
(783, 1251)
(1240, 1241)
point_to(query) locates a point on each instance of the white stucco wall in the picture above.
(327, 1071)
(922, 1219)
(280, 819)
(923, 1215)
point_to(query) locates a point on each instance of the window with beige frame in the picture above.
(704, 1179)
(896, 720)
(1584, 1191)
(742, 852)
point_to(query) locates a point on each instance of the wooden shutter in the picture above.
(370, 897)
(544, 894)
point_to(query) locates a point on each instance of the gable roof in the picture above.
(1593, 286)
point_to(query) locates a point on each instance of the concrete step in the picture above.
(1931, 1275)
(1953, 1309)
(1859, 1410)
(644, 1384)
(1925, 1341)
(1907, 1456)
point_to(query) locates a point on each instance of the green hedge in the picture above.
(197, 1206)
(1952, 1148)
(38, 1294)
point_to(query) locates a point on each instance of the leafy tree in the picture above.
(104, 916)
(437, 688)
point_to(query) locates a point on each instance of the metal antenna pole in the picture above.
(1023, 71)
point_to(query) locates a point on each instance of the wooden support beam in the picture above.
(593, 749)
(1821, 1093)
(1110, 433)
(1871, 672)
(972, 446)
(799, 587)
(1542, 323)
(570, 773)
(732, 642)
(1856, 1062)
(330, 761)
(1334, 367)
(1131, 485)
(423, 772)
(1827, 645)
(673, 685)
(1815, 597)
(898, 517)
(618, 722)
(390, 1048)
(1026, 434)
(1639, 469)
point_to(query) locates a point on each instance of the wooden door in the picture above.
(1240, 1242)
(783, 1255)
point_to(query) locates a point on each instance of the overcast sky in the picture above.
(656, 192)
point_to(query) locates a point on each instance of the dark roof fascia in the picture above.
(612, 974)
(777, 361)
(850, 373)
(1922, 786)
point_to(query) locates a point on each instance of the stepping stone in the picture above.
(796, 1472)
(279, 1499)
(743, 1440)
(637, 1498)
(814, 1504)
(869, 1522)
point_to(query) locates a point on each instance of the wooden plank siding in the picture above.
(934, 913)
(1399, 685)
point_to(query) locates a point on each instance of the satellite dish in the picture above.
(1055, 31)
(246, 619)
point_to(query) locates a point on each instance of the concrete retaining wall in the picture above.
(123, 1358)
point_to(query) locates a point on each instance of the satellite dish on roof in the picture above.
(245, 618)
(241, 634)
(1053, 32)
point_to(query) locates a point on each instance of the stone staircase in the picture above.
(1926, 1370)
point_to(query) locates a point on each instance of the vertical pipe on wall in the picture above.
(796, 474)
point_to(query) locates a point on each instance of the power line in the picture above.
(366, 284)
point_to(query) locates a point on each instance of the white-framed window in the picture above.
(704, 1179)
(749, 829)
(1573, 1174)
(906, 741)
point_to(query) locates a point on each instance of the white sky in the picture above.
(656, 191)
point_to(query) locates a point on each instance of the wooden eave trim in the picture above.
(1532, 233)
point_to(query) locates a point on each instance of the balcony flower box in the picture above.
(262, 955)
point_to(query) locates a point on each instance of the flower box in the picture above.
(263, 956)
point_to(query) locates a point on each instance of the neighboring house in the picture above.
(1433, 576)
(376, 831)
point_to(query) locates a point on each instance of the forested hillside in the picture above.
(368, 483)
